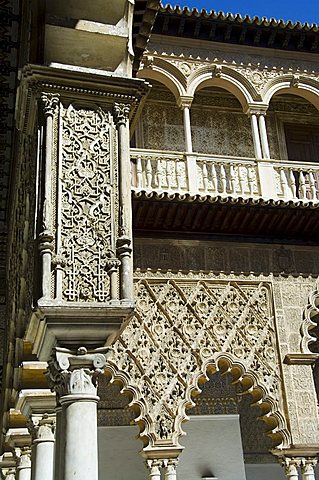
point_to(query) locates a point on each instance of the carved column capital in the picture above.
(10, 474)
(308, 465)
(121, 113)
(75, 372)
(291, 465)
(43, 429)
(50, 103)
(24, 458)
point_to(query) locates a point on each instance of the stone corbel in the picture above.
(295, 81)
(217, 71)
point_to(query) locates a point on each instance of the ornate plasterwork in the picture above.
(182, 329)
(88, 176)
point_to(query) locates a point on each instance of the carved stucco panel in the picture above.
(88, 179)
(180, 326)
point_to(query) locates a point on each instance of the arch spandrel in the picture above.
(180, 331)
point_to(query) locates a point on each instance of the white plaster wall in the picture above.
(264, 472)
(213, 448)
(119, 457)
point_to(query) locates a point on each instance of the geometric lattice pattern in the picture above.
(183, 327)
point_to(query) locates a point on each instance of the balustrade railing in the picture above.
(225, 176)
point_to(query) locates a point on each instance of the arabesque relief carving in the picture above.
(88, 203)
(180, 329)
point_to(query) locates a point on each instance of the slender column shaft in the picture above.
(187, 130)
(124, 249)
(43, 450)
(256, 138)
(263, 136)
(24, 467)
(81, 454)
(45, 246)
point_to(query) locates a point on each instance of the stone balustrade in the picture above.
(154, 170)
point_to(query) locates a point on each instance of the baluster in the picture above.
(159, 173)
(223, 179)
(241, 179)
(283, 183)
(292, 183)
(214, 178)
(148, 173)
(205, 176)
(312, 184)
(179, 174)
(232, 182)
(168, 175)
(302, 187)
(250, 176)
(139, 172)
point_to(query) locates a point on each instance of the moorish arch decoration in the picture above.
(249, 83)
(302, 85)
(183, 329)
(310, 322)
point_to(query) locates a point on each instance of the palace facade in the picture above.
(159, 228)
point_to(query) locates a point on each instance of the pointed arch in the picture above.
(302, 86)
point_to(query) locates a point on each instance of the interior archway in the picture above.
(223, 421)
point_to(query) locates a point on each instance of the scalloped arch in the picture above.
(261, 397)
(302, 86)
(180, 330)
(224, 77)
(310, 321)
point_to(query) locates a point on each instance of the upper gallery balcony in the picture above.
(252, 171)
(224, 176)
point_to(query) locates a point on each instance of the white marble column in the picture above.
(124, 243)
(263, 135)
(308, 468)
(291, 465)
(170, 468)
(24, 465)
(10, 475)
(185, 104)
(74, 377)
(256, 137)
(43, 448)
(154, 467)
(187, 129)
